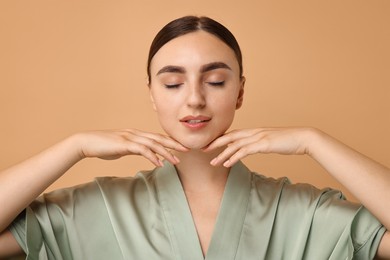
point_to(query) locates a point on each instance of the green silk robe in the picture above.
(148, 217)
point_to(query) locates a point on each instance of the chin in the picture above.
(195, 143)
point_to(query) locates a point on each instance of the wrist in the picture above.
(313, 140)
(74, 142)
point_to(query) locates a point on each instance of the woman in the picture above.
(201, 202)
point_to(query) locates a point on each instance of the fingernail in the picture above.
(176, 159)
(227, 163)
(213, 161)
(183, 148)
(161, 162)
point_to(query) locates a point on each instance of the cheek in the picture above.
(224, 114)
(225, 104)
(166, 111)
(161, 102)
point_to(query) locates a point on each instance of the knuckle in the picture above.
(243, 151)
(129, 130)
(143, 148)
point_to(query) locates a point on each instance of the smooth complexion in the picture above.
(195, 88)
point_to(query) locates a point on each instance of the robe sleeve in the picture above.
(66, 224)
(344, 229)
(362, 232)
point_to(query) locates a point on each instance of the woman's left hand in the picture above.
(366, 179)
(241, 143)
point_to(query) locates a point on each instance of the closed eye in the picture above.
(216, 83)
(172, 85)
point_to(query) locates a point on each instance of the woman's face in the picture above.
(195, 88)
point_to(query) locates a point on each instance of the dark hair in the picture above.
(188, 24)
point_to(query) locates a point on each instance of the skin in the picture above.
(205, 74)
(209, 146)
(201, 73)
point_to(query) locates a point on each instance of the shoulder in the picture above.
(302, 208)
(300, 196)
(286, 188)
(97, 191)
(142, 181)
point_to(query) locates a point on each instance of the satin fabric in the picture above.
(148, 217)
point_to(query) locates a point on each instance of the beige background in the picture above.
(70, 66)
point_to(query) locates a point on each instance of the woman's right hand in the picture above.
(22, 183)
(113, 144)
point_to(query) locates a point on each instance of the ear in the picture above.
(240, 97)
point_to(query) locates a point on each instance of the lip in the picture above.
(195, 122)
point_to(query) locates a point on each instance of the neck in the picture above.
(197, 174)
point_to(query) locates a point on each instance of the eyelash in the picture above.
(172, 85)
(215, 84)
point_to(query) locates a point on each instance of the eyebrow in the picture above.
(171, 69)
(214, 66)
(204, 68)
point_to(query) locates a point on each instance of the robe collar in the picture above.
(230, 220)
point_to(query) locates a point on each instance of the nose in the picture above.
(196, 96)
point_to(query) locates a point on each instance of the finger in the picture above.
(156, 148)
(227, 138)
(220, 142)
(166, 141)
(143, 150)
(233, 148)
(170, 143)
(144, 138)
(240, 154)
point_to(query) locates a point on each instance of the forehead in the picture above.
(194, 50)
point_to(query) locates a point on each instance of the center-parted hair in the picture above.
(189, 24)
